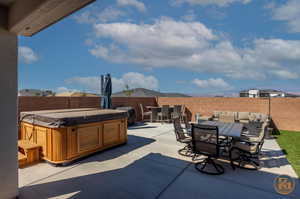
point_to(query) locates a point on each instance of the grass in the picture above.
(289, 142)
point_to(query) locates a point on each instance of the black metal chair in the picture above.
(176, 111)
(205, 141)
(164, 115)
(188, 126)
(154, 114)
(245, 153)
(183, 112)
(183, 138)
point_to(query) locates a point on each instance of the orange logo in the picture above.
(284, 184)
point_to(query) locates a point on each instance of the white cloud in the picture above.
(288, 12)
(140, 6)
(192, 46)
(27, 55)
(132, 79)
(221, 3)
(135, 80)
(110, 14)
(85, 18)
(94, 16)
(283, 74)
(91, 84)
(212, 83)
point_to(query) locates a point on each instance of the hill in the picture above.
(75, 94)
(142, 92)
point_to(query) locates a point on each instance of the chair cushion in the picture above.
(216, 114)
(186, 140)
(244, 121)
(251, 138)
(264, 118)
(205, 118)
(245, 146)
(243, 116)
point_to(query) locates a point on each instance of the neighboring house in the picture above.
(75, 94)
(35, 92)
(256, 93)
(142, 92)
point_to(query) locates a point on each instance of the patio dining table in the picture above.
(226, 129)
(171, 108)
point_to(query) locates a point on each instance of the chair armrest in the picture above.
(270, 129)
(248, 142)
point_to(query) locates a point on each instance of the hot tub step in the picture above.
(30, 150)
(22, 159)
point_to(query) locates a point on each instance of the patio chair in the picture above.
(187, 125)
(205, 141)
(243, 117)
(254, 117)
(245, 153)
(216, 115)
(164, 115)
(145, 114)
(183, 138)
(183, 112)
(176, 112)
(265, 118)
(154, 115)
(227, 117)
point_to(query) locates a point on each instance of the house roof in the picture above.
(262, 90)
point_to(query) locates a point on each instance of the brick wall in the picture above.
(285, 112)
(206, 106)
(48, 103)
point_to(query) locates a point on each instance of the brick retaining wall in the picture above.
(285, 112)
(48, 103)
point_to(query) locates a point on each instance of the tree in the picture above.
(127, 91)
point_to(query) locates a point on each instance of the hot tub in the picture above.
(68, 134)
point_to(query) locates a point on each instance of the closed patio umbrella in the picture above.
(107, 91)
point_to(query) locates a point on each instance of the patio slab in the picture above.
(148, 166)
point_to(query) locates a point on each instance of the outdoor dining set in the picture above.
(233, 137)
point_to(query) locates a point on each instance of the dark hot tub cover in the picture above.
(70, 117)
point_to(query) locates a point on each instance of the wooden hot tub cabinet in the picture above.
(65, 144)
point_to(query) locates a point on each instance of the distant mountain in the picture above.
(35, 92)
(76, 94)
(142, 92)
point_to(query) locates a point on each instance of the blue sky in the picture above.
(199, 47)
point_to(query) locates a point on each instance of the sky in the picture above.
(197, 47)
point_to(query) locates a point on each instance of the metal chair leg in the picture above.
(219, 169)
(243, 160)
(186, 151)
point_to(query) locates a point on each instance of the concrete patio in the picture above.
(148, 166)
